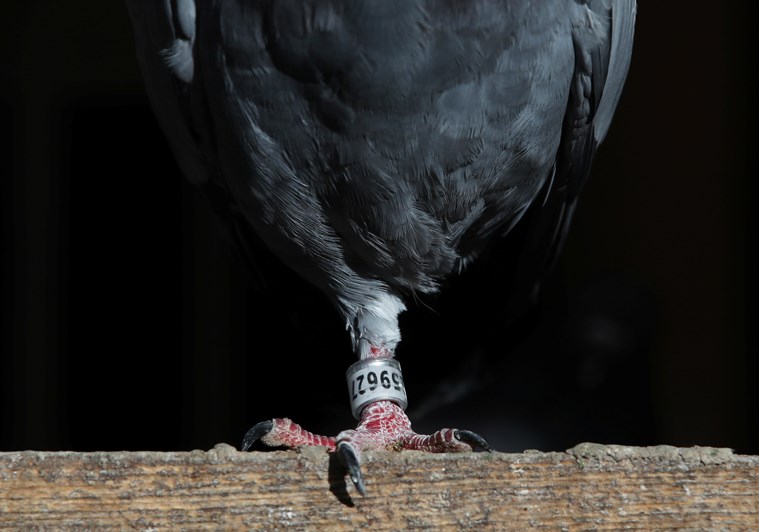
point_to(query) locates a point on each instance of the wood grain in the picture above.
(588, 487)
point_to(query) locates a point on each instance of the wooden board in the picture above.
(588, 487)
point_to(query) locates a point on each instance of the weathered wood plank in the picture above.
(588, 487)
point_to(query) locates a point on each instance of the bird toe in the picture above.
(472, 439)
(349, 459)
(255, 433)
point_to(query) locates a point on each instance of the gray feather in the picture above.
(623, 28)
(376, 147)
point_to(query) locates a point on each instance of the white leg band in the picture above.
(376, 379)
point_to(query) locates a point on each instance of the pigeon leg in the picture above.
(383, 425)
(378, 398)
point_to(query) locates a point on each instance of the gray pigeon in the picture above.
(377, 146)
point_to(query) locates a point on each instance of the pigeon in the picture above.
(377, 147)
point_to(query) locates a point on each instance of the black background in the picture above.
(126, 323)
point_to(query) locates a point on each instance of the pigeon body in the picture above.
(376, 147)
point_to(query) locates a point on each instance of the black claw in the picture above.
(473, 439)
(347, 457)
(255, 433)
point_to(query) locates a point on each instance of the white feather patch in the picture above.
(179, 59)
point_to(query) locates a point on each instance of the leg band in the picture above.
(372, 380)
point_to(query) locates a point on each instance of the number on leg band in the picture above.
(378, 379)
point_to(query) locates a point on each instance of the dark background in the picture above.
(126, 324)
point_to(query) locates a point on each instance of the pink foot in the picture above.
(383, 425)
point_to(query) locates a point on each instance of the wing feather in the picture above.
(600, 72)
